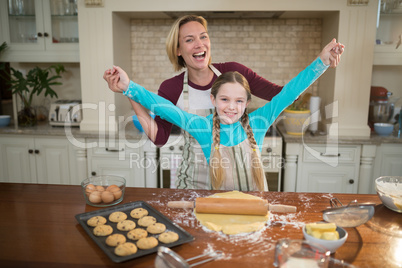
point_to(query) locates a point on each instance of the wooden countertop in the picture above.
(39, 229)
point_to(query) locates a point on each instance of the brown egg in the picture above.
(95, 197)
(111, 186)
(100, 188)
(107, 197)
(89, 189)
(116, 192)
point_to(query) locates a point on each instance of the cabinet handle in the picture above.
(171, 148)
(30, 151)
(36, 151)
(40, 35)
(46, 34)
(181, 148)
(351, 181)
(330, 155)
(114, 150)
(93, 173)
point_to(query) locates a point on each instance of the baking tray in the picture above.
(184, 237)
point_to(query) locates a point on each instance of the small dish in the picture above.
(331, 245)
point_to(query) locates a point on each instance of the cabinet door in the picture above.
(36, 34)
(325, 179)
(52, 160)
(16, 162)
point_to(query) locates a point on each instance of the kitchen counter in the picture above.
(308, 138)
(43, 129)
(39, 229)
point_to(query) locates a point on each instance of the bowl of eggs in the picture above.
(104, 190)
(328, 235)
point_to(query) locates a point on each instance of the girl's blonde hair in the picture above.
(172, 41)
(217, 173)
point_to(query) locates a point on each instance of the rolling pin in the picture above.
(231, 206)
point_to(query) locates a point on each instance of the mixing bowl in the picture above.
(4, 120)
(104, 190)
(383, 129)
(389, 189)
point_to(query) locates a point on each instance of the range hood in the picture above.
(229, 14)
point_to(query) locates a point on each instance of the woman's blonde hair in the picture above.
(172, 41)
(217, 173)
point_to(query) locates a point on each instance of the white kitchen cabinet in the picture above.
(328, 168)
(39, 31)
(389, 30)
(134, 160)
(170, 157)
(48, 160)
(388, 162)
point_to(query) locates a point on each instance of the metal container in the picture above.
(381, 111)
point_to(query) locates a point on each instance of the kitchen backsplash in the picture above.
(276, 49)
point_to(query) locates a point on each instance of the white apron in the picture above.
(193, 171)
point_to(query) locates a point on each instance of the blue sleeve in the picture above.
(262, 118)
(194, 124)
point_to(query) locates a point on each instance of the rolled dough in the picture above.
(232, 224)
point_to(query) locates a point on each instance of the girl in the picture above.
(231, 139)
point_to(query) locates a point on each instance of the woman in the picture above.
(231, 139)
(188, 46)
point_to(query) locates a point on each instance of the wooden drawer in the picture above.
(331, 154)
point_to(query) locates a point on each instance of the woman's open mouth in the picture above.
(200, 55)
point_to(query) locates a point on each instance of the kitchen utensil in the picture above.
(389, 190)
(103, 190)
(300, 253)
(184, 236)
(231, 206)
(166, 258)
(383, 129)
(352, 215)
(4, 120)
(331, 245)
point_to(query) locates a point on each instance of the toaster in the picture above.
(65, 113)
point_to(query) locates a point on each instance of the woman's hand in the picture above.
(117, 79)
(331, 53)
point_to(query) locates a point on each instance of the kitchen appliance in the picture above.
(381, 107)
(65, 113)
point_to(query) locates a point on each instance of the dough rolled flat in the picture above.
(231, 206)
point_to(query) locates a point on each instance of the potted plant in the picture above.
(36, 81)
(297, 116)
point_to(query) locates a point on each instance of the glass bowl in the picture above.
(389, 190)
(104, 190)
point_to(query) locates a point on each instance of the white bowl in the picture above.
(389, 190)
(331, 245)
(4, 120)
(383, 129)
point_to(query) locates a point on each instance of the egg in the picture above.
(89, 189)
(107, 197)
(95, 197)
(100, 188)
(111, 186)
(117, 193)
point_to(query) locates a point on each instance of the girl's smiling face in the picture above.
(194, 45)
(230, 102)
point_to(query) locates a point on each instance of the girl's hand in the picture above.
(331, 54)
(117, 79)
